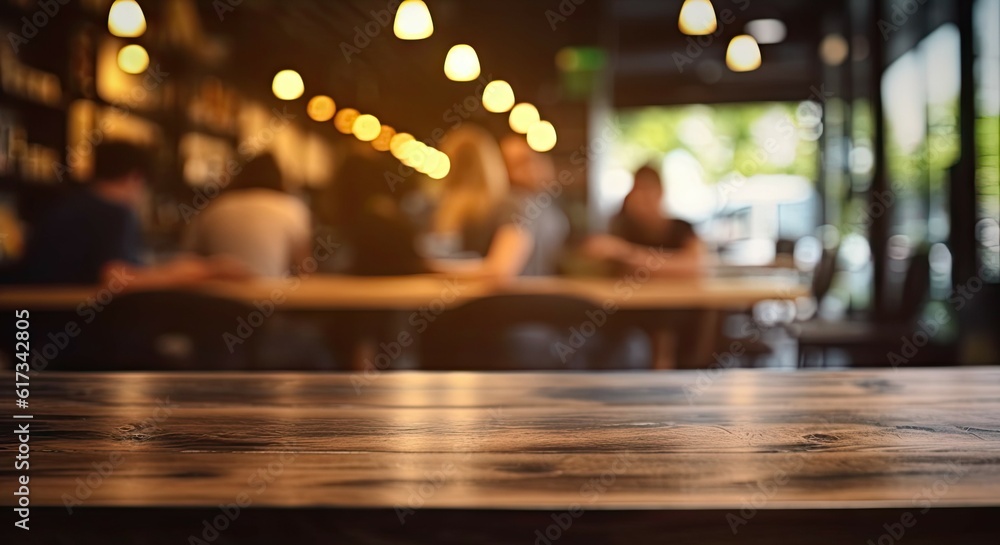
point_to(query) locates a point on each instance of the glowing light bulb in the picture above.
(498, 97)
(321, 108)
(542, 137)
(743, 54)
(522, 117)
(344, 120)
(442, 169)
(834, 50)
(462, 63)
(133, 59)
(767, 31)
(366, 128)
(384, 140)
(413, 21)
(430, 162)
(697, 18)
(414, 153)
(397, 144)
(287, 85)
(126, 20)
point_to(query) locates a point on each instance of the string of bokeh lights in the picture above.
(413, 21)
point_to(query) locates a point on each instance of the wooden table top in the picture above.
(409, 293)
(666, 441)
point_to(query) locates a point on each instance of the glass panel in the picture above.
(987, 31)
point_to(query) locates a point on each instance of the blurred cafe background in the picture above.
(487, 185)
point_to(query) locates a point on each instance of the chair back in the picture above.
(531, 332)
(823, 274)
(172, 331)
(916, 288)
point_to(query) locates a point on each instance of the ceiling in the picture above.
(517, 40)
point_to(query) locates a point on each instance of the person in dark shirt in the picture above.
(94, 235)
(381, 238)
(643, 236)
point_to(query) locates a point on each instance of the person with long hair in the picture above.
(476, 208)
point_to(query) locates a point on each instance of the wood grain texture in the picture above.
(409, 293)
(659, 441)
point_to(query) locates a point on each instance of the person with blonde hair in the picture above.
(476, 208)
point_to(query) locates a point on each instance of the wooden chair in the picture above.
(170, 331)
(532, 332)
(869, 342)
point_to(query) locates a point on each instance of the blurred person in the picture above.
(477, 210)
(94, 235)
(255, 222)
(542, 218)
(380, 237)
(642, 230)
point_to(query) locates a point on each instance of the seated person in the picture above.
(478, 211)
(255, 222)
(380, 237)
(642, 230)
(539, 215)
(95, 235)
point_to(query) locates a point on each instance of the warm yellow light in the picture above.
(442, 169)
(414, 153)
(133, 59)
(366, 127)
(522, 117)
(743, 54)
(397, 144)
(542, 137)
(697, 18)
(430, 162)
(126, 19)
(384, 140)
(462, 63)
(834, 50)
(287, 85)
(498, 97)
(321, 108)
(413, 21)
(344, 120)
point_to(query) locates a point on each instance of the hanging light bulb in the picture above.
(287, 85)
(384, 140)
(462, 63)
(414, 153)
(133, 59)
(366, 128)
(321, 108)
(542, 137)
(442, 169)
(398, 142)
(743, 54)
(522, 117)
(697, 18)
(413, 21)
(498, 97)
(430, 162)
(344, 120)
(126, 20)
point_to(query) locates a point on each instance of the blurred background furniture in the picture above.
(532, 332)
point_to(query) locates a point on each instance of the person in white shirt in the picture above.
(255, 221)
